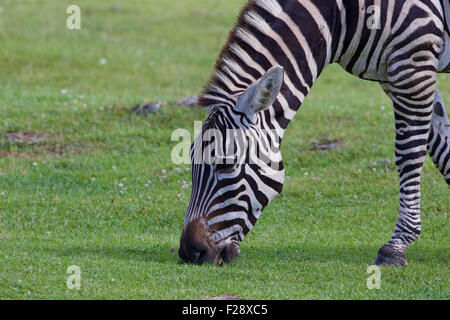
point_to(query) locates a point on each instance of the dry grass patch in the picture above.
(27, 137)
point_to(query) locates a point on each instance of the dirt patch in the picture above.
(27, 137)
(32, 144)
(223, 297)
(147, 108)
(327, 145)
(188, 102)
(12, 154)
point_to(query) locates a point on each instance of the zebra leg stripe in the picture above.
(439, 140)
(412, 122)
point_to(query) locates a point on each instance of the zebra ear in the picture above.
(262, 94)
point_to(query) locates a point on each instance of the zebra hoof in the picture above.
(387, 255)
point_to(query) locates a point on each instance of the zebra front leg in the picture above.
(413, 108)
(439, 139)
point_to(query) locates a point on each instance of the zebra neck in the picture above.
(294, 34)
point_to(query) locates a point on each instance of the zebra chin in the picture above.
(199, 244)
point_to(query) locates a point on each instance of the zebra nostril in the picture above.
(200, 257)
(230, 252)
(194, 255)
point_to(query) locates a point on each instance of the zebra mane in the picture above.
(217, 89)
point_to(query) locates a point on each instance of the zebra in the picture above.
(273, 55)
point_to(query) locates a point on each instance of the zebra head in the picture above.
(236, 170)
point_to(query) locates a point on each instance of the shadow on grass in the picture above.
(351, 254)
(161, 253)
(312, 253)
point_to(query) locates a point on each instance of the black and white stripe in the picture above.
(404, 55)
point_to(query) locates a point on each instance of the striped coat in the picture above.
(273, 56)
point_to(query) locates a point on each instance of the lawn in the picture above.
(96, 187)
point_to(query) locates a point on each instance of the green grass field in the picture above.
(97, 188)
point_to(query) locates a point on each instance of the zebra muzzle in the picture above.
(197, 247)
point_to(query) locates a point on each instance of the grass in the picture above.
(62, 202)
